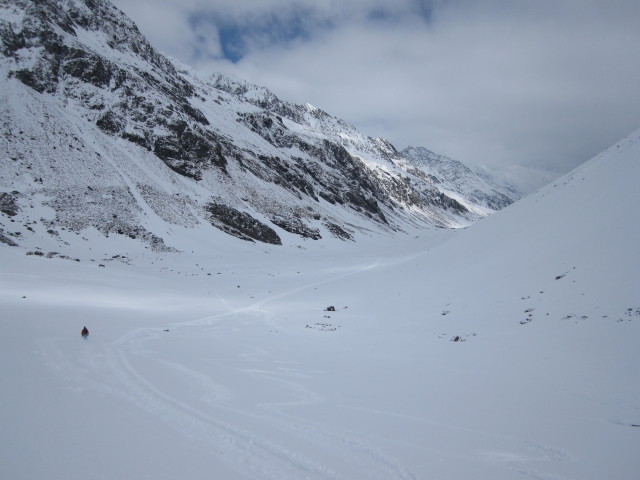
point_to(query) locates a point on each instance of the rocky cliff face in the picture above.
(100, 130)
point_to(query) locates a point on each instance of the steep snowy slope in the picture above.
(506, 351)
(100, 130)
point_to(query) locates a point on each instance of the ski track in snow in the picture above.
(258, 307)
(113, 371)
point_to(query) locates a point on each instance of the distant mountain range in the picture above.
(101, 131)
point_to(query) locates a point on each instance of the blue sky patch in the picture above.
(237, 38)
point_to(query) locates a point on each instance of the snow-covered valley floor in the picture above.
(229, 365)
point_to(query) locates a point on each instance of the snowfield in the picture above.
(507, 350)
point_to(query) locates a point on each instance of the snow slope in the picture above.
(226, 363)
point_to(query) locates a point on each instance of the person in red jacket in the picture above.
(85, 332)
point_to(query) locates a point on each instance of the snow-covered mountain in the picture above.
(506, 350)
(472, 188)
(100, 131)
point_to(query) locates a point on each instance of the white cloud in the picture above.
(496, 82)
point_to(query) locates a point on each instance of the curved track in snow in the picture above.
(256, 437)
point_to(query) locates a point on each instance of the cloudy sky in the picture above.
(542, 83)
